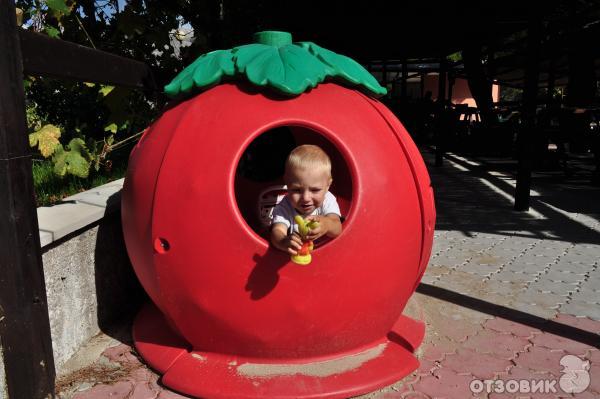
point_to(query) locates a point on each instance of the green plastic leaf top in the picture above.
(277, 63)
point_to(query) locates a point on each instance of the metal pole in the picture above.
(526, 133)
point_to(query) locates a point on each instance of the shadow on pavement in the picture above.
(471, 198)
(517, 316)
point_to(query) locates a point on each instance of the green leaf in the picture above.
(105, 90)
(118, 102)
(52, 31)
(58, 6)
(75, 160)
(274, 62)
(78, 145)
(46, 139)
(455, 57)
(89, 84)
(111, 128)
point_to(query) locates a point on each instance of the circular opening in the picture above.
(161, 245)
(259, 181)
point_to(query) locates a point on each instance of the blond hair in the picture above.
(308, 156)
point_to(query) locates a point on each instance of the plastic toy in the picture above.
(230, 316)
(304, 256)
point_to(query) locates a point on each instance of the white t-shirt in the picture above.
(284, 212)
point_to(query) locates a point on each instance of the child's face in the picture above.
(307, 188)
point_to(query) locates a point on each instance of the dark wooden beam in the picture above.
(525, 137)
(45, 56)
(24, 324)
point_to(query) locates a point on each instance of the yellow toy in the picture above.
(304, 257)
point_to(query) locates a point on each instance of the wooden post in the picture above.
(525, 138)
(24, 324)
(441, 119)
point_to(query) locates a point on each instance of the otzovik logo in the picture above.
(575, 374)
(575, 379)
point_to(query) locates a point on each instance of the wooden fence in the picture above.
(24, 324)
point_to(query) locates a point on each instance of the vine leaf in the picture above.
(105, 90)
(52, 31)
(111, 128)
(58, 6)
(46, 139)
(74, 160)
(118, 102)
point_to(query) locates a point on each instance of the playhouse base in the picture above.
(211, 375)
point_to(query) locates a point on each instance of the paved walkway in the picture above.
(506, 295)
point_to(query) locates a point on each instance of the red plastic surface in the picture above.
(216, 281)
(423, 184)
(212, 375)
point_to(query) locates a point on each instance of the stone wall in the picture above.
(90, 284)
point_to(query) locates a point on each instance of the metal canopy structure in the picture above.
(530, 45)
(396, 31)
(570, 32)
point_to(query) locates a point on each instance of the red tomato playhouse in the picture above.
(232, 317)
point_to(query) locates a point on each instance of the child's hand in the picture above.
(292, 244)
(318, 231)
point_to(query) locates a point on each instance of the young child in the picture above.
(308, 177)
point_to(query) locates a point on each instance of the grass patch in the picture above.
(50, 188)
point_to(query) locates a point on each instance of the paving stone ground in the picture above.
(505, 297)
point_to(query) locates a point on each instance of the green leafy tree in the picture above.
(94, 119)
(166, 35)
